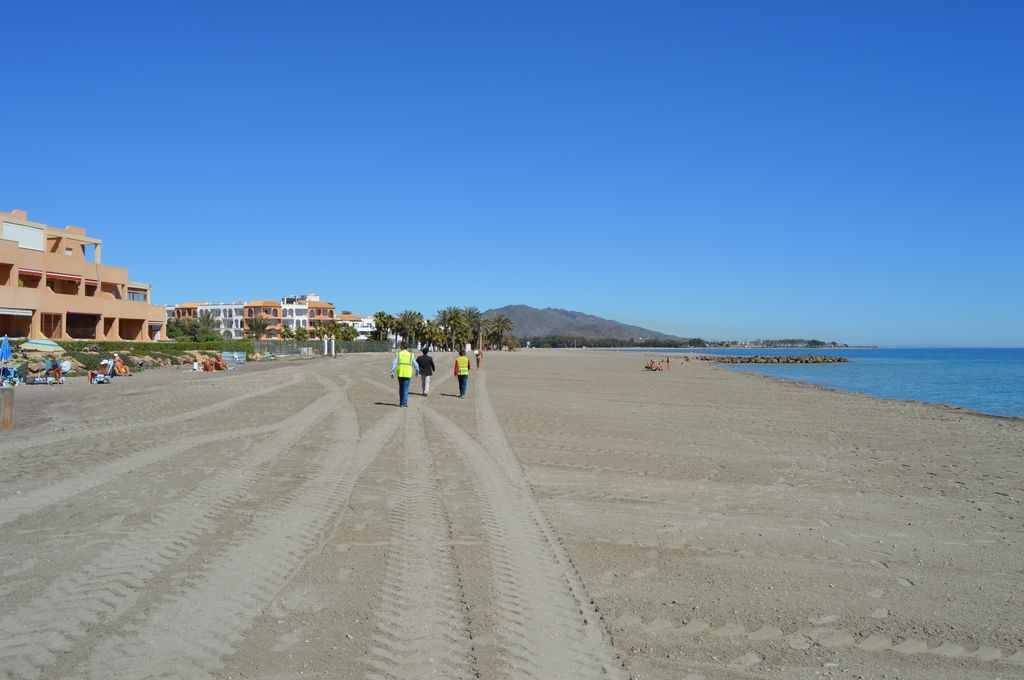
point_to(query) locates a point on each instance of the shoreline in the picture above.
(836, 390)
(794, 381)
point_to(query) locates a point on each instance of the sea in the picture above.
(985, 380)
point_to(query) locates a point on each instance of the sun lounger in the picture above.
(14, 374)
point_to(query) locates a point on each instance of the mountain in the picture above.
(531, 322)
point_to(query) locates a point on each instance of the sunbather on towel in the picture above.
(207, 365)
(219, 364)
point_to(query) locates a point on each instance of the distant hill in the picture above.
(531, 322)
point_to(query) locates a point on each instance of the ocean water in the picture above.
(986, 380)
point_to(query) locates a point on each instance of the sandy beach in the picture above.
(574, 517)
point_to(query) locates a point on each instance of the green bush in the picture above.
(171, 348)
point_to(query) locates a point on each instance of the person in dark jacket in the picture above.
(426, 366)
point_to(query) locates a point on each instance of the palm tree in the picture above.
(450, 319)
(474, 320)
(383, 323)
(257, 326)
(433, 334)
(409, 323)
(497, 327)
(287, 333)
(207, 322)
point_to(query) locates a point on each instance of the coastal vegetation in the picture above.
(204, 328)
(451, 328)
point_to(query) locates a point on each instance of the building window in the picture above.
(137, 295)
(68, 251)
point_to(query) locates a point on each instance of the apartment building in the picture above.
(363, 324)
(53, 284)
(292, 312)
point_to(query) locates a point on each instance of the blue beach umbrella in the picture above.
(5, 350)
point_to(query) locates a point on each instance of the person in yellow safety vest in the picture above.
(462, 372)
(404, 367)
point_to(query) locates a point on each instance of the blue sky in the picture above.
(848, 171)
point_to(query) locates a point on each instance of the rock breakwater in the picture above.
(777, 359)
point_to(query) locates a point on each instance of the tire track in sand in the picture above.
(189, 634)
(112, 429)
(548, 627)
(826, 637)
(109, 586)
(16, 506)
(421, 625)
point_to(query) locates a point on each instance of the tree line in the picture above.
(206, 327)
(451, 328)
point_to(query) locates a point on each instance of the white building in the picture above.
(363, 324)
(297, 311)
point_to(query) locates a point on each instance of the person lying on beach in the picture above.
(219, 364)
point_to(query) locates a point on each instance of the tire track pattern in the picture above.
(112, 429)
(828, 638)
(421, 625)
(109, 586)
(544, 630)
(189, 635)
(14, 507)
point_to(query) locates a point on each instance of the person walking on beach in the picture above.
(462, 372)
(403, 366)
(425, 363)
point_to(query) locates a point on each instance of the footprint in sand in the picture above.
(643, 573)
(287, 641)
(905, 582)
(629, 621)
(824, 620)
(748, 659)
(880, 613)
(875, 593)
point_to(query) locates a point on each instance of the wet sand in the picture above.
(574, 516)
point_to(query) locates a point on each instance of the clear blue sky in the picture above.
(849, 171)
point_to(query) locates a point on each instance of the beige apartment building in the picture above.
(52, 284)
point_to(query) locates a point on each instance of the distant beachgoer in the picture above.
(403, 367)
(479, 356)
(55, 375)
(120, 368)
(219, 364)
(668, 362)
(426, 366)
(207, 365)
(462, 372)
(103, 373)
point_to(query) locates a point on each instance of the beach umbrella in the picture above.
(5, 350)
(42, 345)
